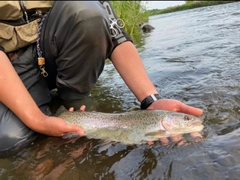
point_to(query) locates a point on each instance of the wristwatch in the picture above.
(149, 100)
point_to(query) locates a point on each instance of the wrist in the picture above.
(38, 122)
(146, 102)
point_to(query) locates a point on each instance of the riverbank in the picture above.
(132, 13)
(186, 6)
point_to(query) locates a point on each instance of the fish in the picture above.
(134, 127)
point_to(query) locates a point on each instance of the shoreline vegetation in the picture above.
(186, 6)
(134, 13)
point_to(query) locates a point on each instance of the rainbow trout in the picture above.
(133, 127)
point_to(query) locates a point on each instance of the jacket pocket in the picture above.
(13, 38)
(39, 4)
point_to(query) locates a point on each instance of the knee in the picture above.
(87, 24)
(13, 133)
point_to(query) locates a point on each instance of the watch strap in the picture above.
(149, 100)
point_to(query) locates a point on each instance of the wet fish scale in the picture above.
(133, 127)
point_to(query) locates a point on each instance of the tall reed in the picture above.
(132, 13)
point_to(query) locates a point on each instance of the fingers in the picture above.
(196, 134)
(176, 138)
(82, 108)
(164, 141)
(175, 105)
(179, 139)
(196, 137)
(150, 143)
(69, 130)
(74, 128)
(173, 138)
(190, 110)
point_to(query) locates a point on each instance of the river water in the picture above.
(192, 56)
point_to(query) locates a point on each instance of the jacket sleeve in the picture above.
(2, 48)
(121, 36)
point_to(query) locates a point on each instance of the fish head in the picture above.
(180, 123)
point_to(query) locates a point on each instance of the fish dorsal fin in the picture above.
(159, 133)
(60, 110)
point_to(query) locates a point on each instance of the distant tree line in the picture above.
(188, 5)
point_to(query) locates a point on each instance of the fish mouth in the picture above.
(195, 123)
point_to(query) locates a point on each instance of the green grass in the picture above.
(132, 13)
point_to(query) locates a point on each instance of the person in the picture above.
(75, 39)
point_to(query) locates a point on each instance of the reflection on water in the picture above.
(192, 56)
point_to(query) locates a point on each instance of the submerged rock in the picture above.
(146, 28)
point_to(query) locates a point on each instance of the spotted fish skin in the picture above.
(133, 127)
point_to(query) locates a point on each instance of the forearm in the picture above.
(16, 97)
(129, 65)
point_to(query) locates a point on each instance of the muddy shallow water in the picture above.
(192, 56)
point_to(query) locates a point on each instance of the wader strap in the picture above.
(24, 9)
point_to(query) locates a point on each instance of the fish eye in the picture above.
(187, 118)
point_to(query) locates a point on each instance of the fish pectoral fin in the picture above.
(160, 133)
(70, 135)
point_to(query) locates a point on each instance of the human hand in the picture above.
(54, 126)
(177, 106)
(82, 108)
